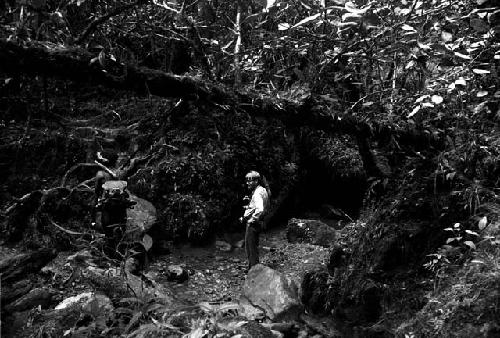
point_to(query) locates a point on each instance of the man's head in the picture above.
(252, 179)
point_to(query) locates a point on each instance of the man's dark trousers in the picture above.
(252, 243)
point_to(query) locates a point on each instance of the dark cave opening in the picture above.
(322, 189)
(322, 194)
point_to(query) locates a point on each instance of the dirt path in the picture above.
(218, 276)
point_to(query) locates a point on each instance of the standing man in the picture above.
(254, 215)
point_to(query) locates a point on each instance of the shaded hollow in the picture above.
(333, 181)
(322, 187)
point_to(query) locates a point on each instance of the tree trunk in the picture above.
(237, 47)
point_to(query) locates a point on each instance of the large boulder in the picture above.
(89, 302)
(125, 284)
(142, 215)
(271, 291)
(310, 231)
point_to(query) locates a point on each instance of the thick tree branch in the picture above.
(75, 64)
(237, 47)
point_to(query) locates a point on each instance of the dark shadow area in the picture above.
(327, 193)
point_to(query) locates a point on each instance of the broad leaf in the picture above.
(463, 56)
(414, 111)
(421, 98)
(306, 20)
(480, 71)
(470, 232)
(423, 46)
(482, 223)
(406, 27)
(351, 8)
(147, 241)
(283, 26)
(350, 16)
(437, 99)
(470, 244)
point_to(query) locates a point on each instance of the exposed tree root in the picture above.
(71, 170)
(30, 209)
(69, 232)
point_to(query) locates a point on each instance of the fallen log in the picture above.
(37, 297)
(16, 268)
(15, 291)
(77, 65)
(80, 66)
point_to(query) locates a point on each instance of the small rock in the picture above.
(310, 231)
(133, 265)
(302, 334)
(277, 334)
(176, 273)
(254, 329)
(223, 246)
(48, 271)
(143, 214)
(163, 247)
(240, 244)
(246, 309)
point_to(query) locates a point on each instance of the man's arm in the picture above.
(100, 178)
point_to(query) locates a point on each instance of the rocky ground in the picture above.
(217, 273)
(214, 275)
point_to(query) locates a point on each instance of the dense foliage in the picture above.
(426, 67)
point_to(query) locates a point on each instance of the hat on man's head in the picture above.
(252, 175)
